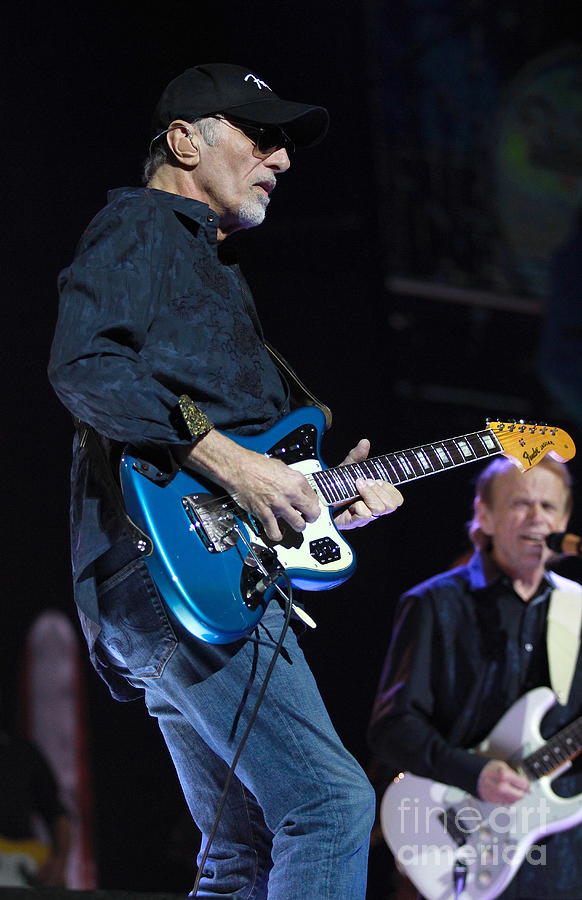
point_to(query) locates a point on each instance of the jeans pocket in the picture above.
(136, 633)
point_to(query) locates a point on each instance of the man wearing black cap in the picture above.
(157, 342)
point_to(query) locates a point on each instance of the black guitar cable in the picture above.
(288, 598)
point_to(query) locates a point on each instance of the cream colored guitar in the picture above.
(441, 836)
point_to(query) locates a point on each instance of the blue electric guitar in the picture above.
(212, 562)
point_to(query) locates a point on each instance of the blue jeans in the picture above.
(299, 812)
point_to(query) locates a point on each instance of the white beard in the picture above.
(252, 211)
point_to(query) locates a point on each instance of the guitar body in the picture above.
(491, 840)
(218, 592)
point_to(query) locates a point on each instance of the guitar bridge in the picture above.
(212, 519)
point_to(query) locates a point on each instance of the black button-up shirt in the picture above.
(153, 307)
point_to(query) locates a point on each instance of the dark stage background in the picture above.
(390, 271)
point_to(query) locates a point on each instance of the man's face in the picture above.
(233, 182)
(525, 508)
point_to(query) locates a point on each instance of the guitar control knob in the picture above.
(484, 878)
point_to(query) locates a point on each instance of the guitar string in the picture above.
(229, 503)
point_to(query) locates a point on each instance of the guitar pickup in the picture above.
(448, 819)
(212, 521)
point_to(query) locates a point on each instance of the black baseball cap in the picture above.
(238, 92)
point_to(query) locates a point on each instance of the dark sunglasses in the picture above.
(266, 138)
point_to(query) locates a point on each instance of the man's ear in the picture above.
(184, 143)
(484, 517)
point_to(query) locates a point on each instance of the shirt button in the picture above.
(528, 647)
(210, 218)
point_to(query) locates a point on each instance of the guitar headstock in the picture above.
(527, 443)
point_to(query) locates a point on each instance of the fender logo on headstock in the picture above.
(519, 441)
(535, 451)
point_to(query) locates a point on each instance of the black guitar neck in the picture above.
(339, 484)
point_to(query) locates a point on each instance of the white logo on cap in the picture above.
(260, 84)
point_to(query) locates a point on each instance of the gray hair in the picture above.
(484, 491)
(160, 154)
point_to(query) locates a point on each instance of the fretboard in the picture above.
(561, 748)
(339, 484)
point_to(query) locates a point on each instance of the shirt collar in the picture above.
(484, 573)
(194, 209)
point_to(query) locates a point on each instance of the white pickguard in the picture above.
(301, 557)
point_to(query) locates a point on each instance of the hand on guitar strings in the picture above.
(377, 498)
(264, 487)
(499, 783)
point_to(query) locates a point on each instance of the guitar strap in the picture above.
(563, 636)
(300, 393)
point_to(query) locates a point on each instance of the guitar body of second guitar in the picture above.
(433, 828)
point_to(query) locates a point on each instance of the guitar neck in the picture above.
(563, 747)
(338, 485)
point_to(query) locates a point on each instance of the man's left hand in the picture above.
(377, 498)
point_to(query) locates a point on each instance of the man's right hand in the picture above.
(264, 487)
(499, 783)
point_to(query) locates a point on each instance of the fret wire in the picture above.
(488, 433)
(340, 484)
(325, 482)
(368, 467)
(437, 458)
(383, 469)
(358, 470)
(416, 466)
(409, 464)
(460, 443)
(479, 437)
(338, 488)
(423, 457)
(394, 478)
(375, 467)
(403, 463)
(330, 485)
(454, 451)
(443, 446)
(395, 465)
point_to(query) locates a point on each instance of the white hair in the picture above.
(160, 154)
